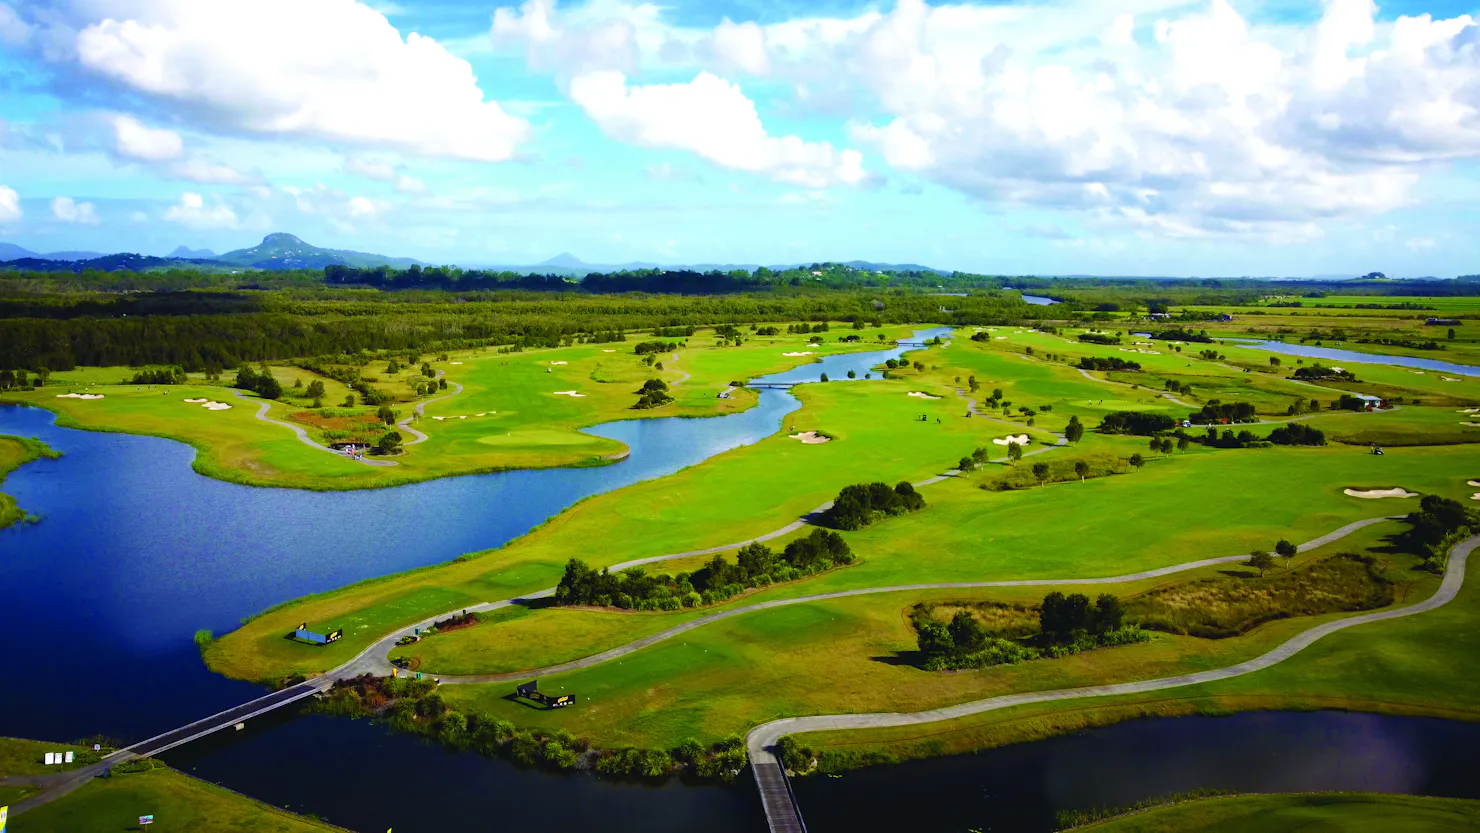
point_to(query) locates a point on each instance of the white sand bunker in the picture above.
(1015, 439)
(608, 351)
(454, 362)
(999, 338)
(1471, 424)
(79, 396)
(439, 419)
(811, 438)
(216, 406)
(194, 401)
(1419, 372)
(1470, 411)
(1451, 378)
(1370, 494)
(922, 395)
(1475, 483)
(558, 362)
(1475, 496)
(807, 353)
(569, 393)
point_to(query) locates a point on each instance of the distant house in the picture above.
(1159, 316)
(1223, 316)
(1373, 402)
(1442, 322)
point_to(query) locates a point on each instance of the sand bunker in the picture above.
(569, 393)
(1451, 378)
(1475, 483)
(1469, 411)
(1419, 372)
(216, 406)
(79, 396)
(1379, 493)
(558, 362)
(608, 351)
(1471, 424)
(808, 353)
(922, 395)
(454, 362)
(194, 401)
(1018, 439)
(999, 338)
(811, 438)
(439, 419)
(1475, 496)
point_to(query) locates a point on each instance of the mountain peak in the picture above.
(282, 238)
(564, 260)
(192, 254)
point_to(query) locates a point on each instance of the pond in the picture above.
(1333, 354)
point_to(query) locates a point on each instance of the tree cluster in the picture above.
(1099, 338)
(861, 504)
(644, 347)
(1217, 411)
(1297, 433)
(1108, 363)
(1136, 422)
(174, 375)
(652, 394)
(1321, 373)
(1179, 334)
(263, 384)
(1438, 525)
(756, 566)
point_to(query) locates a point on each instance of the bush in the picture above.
(1136, 422)
(860, 505)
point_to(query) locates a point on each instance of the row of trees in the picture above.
(756, 565)
(1108, 363)
(263, 384)
(1066, 625)
(859, 505)
(1217, 411)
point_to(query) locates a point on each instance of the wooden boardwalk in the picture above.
(782, 813)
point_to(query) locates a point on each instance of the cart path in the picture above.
(420, 410)
(303, 435)
(1061, 440)
(763, 738)
(661, 636)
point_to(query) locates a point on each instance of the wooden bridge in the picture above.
(770, 385)
(782, 813)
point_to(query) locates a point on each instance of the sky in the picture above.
(1137, 137)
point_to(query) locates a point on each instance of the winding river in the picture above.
(136, 552)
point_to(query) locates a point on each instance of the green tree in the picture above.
(1261, 561)
(1014, 452)
(966, 464)
(972, 383)
(268, 387)
(1081, 468)
(1040, 471)
(386, 415)
(315, 389)
(1138, 461)
(852, 374)
(1183, 443)
(389, 442)
(934, 638)
(1274, 361)
(824, 377)
(1286, 550)
(349, 401)
(966, 633)
(1074, 431)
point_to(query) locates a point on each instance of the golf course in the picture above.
(1059, 505)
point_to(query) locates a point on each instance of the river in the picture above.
(1333, 354)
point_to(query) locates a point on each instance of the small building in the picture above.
(1372, 402)
(1159, 316)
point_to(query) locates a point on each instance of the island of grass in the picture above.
(177, 801)
(1349, 812)
(822, 655)
(14, 453)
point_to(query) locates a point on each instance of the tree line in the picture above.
(859, 505)
(756, 565)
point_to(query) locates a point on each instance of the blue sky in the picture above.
(1151, 137)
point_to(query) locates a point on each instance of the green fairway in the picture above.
(14, 453)
(1348, 812)
(177, 802)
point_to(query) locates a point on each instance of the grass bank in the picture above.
(14, 453)
(1349, 812)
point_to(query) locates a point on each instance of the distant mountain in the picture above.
(284, 251)
(568, 264)
(103, 263)
(192, 254)
(10, 251)
(565, 260)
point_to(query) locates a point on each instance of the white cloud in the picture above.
(712, 118)
(192, 211)
(136, 141)
(1421, 244)
(138, 217)
(364, 207)
(206, 172)
(10, 205)
(371, 168)
(577, 44)
(410, 185)
(741, 46)
(70, 211)
(331, 70)
(13, 30)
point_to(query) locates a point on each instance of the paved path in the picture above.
(708, 619)
(420, 410)
(971, 409)
(59, 785)
(1163, 394)
(763, 738)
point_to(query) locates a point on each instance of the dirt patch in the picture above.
(337, 423)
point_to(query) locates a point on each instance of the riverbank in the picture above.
(14, 453)
(1352, 812)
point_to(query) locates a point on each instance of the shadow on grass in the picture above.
(910, 659)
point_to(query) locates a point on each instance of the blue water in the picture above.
(136, 552)
(1035, 300)
(1333, 354)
